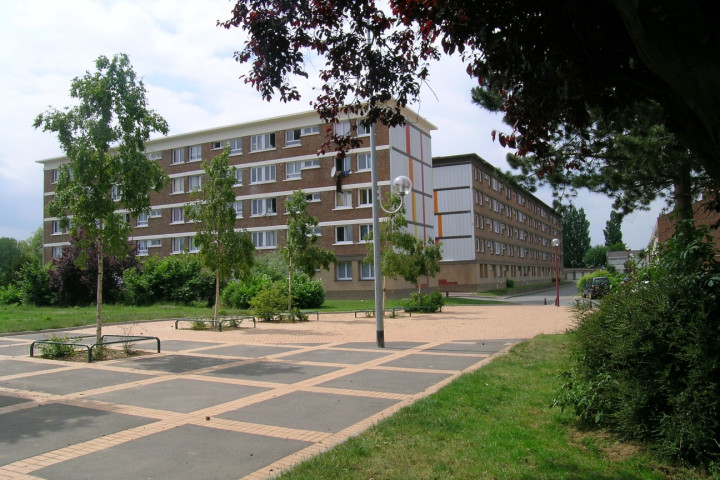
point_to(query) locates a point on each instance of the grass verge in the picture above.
(495, 423)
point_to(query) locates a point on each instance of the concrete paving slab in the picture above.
(475, 346)
(6, 400)
(247, 351)
(9, 341)
(311, 411)
(184, 453)
(15, 351)
(388, 345)
(387, 381)
(181, 345)
(45, 428)
(171, 363)
(349, 357)
(178, 395)
(278, 372)
(435, 362)
(13, 367)
(71, 381)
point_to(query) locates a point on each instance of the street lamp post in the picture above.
(556, 243)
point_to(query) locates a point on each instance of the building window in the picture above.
(142, 247)
(364, 162)
(292, 137)
(238, 177)
(192, 247)
(178, 156)
(343, 164)
(154, 243)
(344, 271)
(154, 156)
(314, 231)
(266, 141)
(367, 272)
(343, 199)
(266, 239)
(155, 213)
(342, 128)
(116, 193)
(195, 153)
(314, 130)
(178, 245)
(237, 205)
(343, 234)
(263, 206)
(56, 252)
(177, 215)
(362, 131)
(56, 227)
(311, 163)
(365, 197)
(293, 170)
(262, 174)
(365, 232)
(195, 182)
(312, 197)
(142, 219)
(177, 185)
(55, 173)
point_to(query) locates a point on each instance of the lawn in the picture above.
(495, 423)
(18, 318)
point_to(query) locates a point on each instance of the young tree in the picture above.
(222, 249)
(595, 257)
(103, 137)
(612, 231)
(301, 250)
(576, 236)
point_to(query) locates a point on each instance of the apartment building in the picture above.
(490, 230)
(273, 158)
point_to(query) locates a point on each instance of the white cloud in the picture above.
(187, 65)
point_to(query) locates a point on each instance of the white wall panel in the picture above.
(452, 176)
(458, 249)
(454, 200)
(457, 225)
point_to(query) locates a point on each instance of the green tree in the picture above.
(576, 236)
(595, 257)
(223, 250)
(11, 259)
(301, 250)
(402, 254)
(612, 231)
(103, 137)
(32, 247)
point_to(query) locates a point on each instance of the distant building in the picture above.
(620, 260)
(665, 227)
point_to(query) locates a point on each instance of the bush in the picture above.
(238, 294)
(429, 303)
(58, 350)
(269, 302)
(509, 283)
(615, 279)
(10, 295)
(35, 285)
(307, 293)
(646, 363)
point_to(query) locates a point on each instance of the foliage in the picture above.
(34, 284)
(10, 295)
(615, 280)
(646, 363)
(237, 294)
(509, 283)
(103, 137)
(558, 69)
(177, 278)
(595, 257)
(307, 293)
(73, 275)
(427, 303)
(272, 264)
(10, 260)
(576, 236)
(269, 302)
(612, 231)
(223, 250)
(301, 249)
(63, 349)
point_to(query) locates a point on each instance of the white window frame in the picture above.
(235, 146)
(343, 271)
(312, 197)
(343, 200)
(315, 163)
(142, 219)
(347, 232)
(264, 240)
(192, 248)
(195, 153)
(55, 228)
(178, 156)
(342, 128)
(364, 162)
(263, 174)
(362, 131)
(344, 164)
(154, 155)
(364, 197)
(177, 185)
(262, 142)
(260, 207)
(365, 230)
(293, 170)
(292, 137)
(177, 245)
(116, 193)
(56, 251)
(55, 175)
(237, 206)
(194, 179)
(367, 271)
(155, 213)
(311, 130)
(238, 173)
(142, 248)
(154, 243)
(178, 215)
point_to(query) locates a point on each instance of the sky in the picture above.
(186, 63)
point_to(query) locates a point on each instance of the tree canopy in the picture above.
(612, 230)
(103, 137)
(576, 237)
(554, 65)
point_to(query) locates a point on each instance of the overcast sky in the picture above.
(187, 65)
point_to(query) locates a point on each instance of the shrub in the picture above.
(238, 294)
(58, 350)
(646, 363)
(35, 285)
(429, 303)
(307, 293)
(615, 279)
(509, 283)
(269, 302)
(10, 295)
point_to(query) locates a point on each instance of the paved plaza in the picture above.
(239, 404)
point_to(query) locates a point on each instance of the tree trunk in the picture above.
(98, 298)
(290, 277)
(217, 293)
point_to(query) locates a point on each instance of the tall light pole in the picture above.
(556, 243)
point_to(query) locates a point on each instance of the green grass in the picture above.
(495, 423)
(499, 292)
(19, 318)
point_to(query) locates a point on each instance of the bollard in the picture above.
(546, 301)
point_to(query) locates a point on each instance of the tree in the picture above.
(32, 247)
(595, 257)
(576, 236)
(301, 250)
(103, 137)
(11, 259)
(222, 249)
(612, 231)
(402, 254)
(554, 66)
